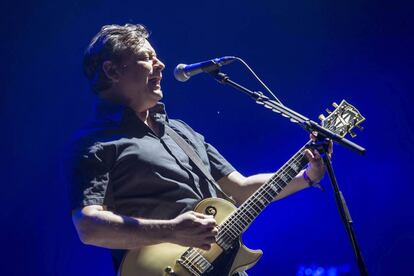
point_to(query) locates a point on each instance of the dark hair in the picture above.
(111, 43)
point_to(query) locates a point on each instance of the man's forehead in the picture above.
(146, 47)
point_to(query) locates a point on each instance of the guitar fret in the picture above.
(224, 238)
(341, 121)
(291, 172)
(247, 214)
(237, 226)
(284, 178)
(268, 194)
(274, 189)
(294, 167)
(255, 204)
(232, 231)
(246, 222)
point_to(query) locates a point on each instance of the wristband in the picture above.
(307, 179)
(311, 183)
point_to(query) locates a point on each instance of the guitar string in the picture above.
(286, 168)
(272, 181)
(299, 158)
(264, 190)
(191, 266)
(253, 205)
(195, 254)
(244, 208)
(245, 214)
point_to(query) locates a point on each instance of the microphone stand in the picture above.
(324, 135)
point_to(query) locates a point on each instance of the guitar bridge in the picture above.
(194, 262)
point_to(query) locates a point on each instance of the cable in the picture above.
(258, 79)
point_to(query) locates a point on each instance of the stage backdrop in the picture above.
(311, 53)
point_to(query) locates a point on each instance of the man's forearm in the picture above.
(106, 229)
(252, 183)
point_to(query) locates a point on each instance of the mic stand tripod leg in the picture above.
(343, 211)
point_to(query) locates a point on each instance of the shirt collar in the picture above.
(122, 115)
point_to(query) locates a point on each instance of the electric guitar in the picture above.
(229, 255)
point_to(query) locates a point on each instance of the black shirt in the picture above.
(118, 161)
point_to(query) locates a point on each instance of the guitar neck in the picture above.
(238, 222)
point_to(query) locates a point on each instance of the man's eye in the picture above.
(146, 57)
(143, 57)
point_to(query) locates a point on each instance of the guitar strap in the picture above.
(195, 158)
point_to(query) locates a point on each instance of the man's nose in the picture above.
(159, 64)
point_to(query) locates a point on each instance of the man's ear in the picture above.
(110, 70)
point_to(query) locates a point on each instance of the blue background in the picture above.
(310, 53)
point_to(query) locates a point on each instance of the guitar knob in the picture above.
(169, 270)
(211, 211)
(334, 104)
(321, 117)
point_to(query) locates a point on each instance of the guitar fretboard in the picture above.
(238, 222)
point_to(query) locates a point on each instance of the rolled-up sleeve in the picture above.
(219, 166)
(88, 175)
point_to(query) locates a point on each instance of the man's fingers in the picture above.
(200, 215)
(313, 156)
(210, 239)
(316, 155)
(309, 155)
(205, 246)
(208, 223)
(204, 217)
(313, 135)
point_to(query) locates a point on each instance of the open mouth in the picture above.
(155, 80)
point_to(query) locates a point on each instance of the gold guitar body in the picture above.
(161, 259)
(168, 259)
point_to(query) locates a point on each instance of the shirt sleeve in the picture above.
(87, 175)
(220, 167)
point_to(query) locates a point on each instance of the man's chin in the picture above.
(158, 94)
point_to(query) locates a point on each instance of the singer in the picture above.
(131, 185)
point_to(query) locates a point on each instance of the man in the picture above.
(131, 184)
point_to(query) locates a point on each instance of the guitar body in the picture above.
(161, 259)
(170, 259)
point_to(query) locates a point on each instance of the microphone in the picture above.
(184, 72)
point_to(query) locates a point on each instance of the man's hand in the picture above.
(194, 229)
(316, 167)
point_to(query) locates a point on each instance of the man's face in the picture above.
(140, 78)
